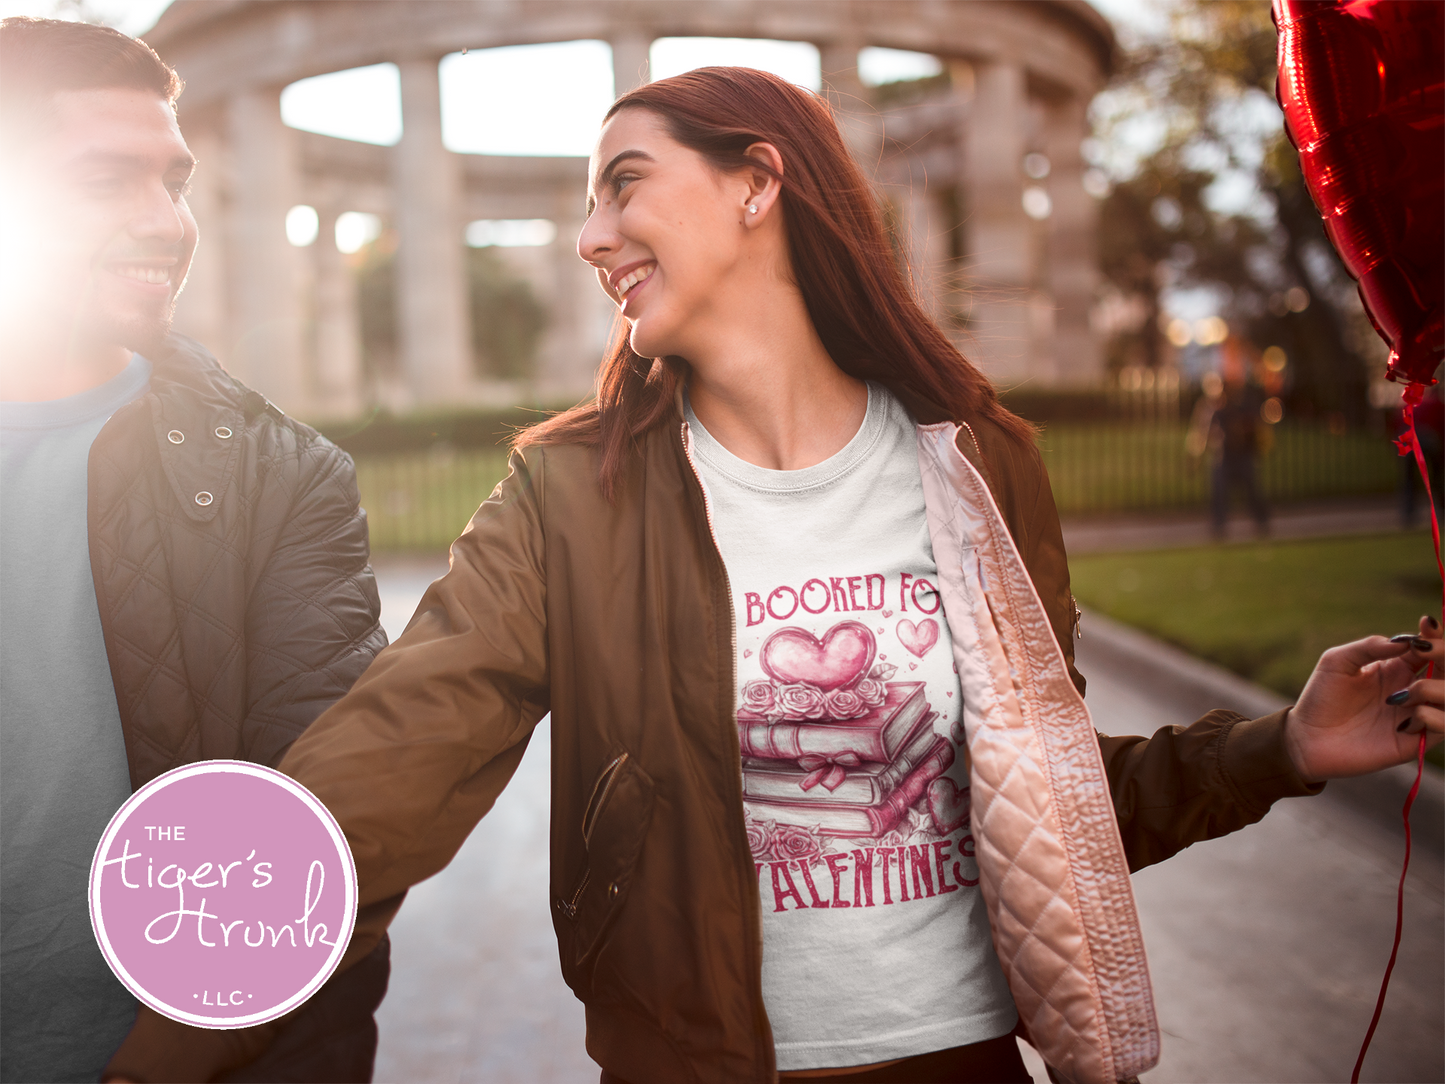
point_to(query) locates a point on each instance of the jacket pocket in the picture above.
(614, 826)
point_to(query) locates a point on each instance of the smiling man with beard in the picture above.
(183, 569)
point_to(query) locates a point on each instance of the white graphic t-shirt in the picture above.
(876, 941)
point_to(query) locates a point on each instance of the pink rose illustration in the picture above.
(872, 691)
(845, 704)
(758, 697)
(759, 839)
(791, 842)
(800, 701)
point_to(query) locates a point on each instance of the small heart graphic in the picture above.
(948, 805)
(882, 656)
(887, 613)
(950, 693)
(958, 733)
(913, 666)
(845, 653)
(882, 631)
(918, 638)
(748, 654)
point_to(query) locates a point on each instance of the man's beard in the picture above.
(146, 334)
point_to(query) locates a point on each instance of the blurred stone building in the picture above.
(981, 173)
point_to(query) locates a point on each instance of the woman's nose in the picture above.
(596, 241)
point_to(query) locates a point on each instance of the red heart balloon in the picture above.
(1362, 86)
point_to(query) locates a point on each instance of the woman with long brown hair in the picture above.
(826, 798)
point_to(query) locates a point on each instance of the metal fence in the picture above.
(1144, 466)
(420, 501)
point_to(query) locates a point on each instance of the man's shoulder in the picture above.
(217, 438)
(188, 377)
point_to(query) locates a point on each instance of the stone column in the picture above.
(998, 251)
(201, 311)
(631, 66)
(568, 360)
(921, 229)
(339, 388)
(1073, 264)
(265, 271)
(434, 325)
(859, 122)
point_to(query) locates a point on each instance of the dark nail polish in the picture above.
(1396, 699)
(1404, 638)
(1403, 727)
(1432, 622)
(1419, 643)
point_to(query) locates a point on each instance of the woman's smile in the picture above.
(635, 277)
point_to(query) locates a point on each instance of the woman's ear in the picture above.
(763, 186)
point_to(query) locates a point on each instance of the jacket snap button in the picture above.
(175, 436)
(223, 432)
(613, 890)
(203, 498)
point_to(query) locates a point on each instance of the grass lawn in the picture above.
(1266, 610)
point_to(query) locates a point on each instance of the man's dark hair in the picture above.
(40, 58)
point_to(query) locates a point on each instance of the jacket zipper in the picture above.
(756, 968)
(598, 800)
(600, 791)
(971, 436)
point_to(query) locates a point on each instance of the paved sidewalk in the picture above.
(1266, 947)
(1161, 531)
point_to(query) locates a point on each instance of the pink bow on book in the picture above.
(828, 770)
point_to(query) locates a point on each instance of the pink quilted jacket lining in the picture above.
(1050, 857)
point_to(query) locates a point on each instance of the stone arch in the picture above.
(1015, 291)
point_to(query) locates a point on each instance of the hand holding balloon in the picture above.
(1351, 717)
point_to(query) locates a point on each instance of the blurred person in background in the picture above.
(183, 569)
(1235, 440)
(794, 591)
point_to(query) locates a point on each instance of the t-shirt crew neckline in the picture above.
(103, 399)
(836, 467)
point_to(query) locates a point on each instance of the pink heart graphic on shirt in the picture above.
(948, 694)
(845, 653)
(913, 666)
(881, 631)
(887, 613)
(748, 654)
(947, 805)
(918, 638)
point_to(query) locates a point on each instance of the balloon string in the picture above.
(1408, 442)
(1399, 915)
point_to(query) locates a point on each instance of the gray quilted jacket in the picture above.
(229, 552)
(230, 560)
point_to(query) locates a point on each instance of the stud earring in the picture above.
(752, 208)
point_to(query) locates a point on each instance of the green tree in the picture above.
(507, 318)
(1208, 193)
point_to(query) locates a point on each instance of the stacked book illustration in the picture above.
(829, 743)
